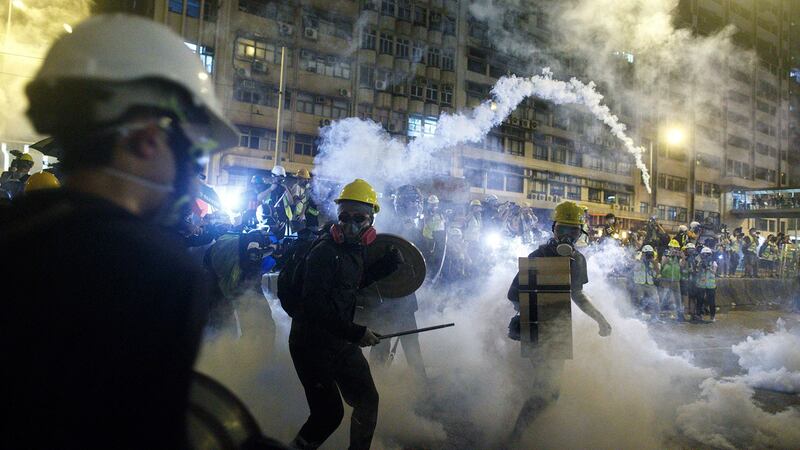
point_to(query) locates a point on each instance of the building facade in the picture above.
(401, 63)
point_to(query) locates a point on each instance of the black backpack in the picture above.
(290, 278)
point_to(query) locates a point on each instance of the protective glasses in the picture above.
(353, 218)
(568, 231)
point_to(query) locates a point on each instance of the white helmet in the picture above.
(129, 51)
(706, 250)
(433, 200)
(690, 245)
(694, 224)
(647, 249)
(278, 171)
(455, 232)
(683, 228)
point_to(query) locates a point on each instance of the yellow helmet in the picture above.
(360, 191)
(674, 244)
(569, 213)
(26, 157)
(304, 174)
(475, 203)
(41, 180)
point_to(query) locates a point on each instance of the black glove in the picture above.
(514, 329)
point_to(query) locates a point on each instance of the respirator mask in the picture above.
(565, 238)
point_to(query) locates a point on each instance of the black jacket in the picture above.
(334, 273)
(101, 324)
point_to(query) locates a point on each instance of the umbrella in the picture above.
(49, 147)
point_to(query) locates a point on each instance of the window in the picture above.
(573, 192)
(401, 48)
(417, 52)
(368, 39)
(322, 106)
(192, 7)
(434, 55)
(387, 7)
(493, 142)
(305, 145)
(644, 207)
(495, 180)
(514, 183)
(595, 195)
(432, 92)
(417, 90)
(328, 65)
(305, 103)
(515, 147)
(447, 95)
(251, 137)
(421, 125)
(404, 10)
(366, 77)
(474, 177)
(476, 61)
(420, 16)
(449, 26)
(386, 44)
(271, 141)
(448, 59)
(540, 152)
(556, 189)
(738, 169)
(558, 155)
(708, 161)
(206, 55)
(435, 21)
(672, 183)
(255, 50)
(280, 11)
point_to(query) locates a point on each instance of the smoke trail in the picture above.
(382, 159)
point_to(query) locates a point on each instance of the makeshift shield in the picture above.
(408, 277)
(545, 307)
(217, 419)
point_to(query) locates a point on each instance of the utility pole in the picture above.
(278, 131)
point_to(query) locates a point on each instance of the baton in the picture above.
(418, 330)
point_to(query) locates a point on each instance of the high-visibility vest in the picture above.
(706, 277)
(433, 223)
(671, 270)
(644, 274)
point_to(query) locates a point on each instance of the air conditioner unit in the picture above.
(306, 54)
(248, 84)
(324, 122)
(549, 198)
(514, 121)
(542, 196)
(330, 60)
(311, 33)
(392, 126)
(380, 85)
(260, 66)
(525, 123)
(285, 29)
(534, 124)
(319, 99)
(344, 92)
(241, 71)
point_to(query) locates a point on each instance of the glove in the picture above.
(514, 329)
(396, 255)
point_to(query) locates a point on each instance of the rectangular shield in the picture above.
(545, 307)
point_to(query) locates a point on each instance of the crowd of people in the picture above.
(676, 275)
(768, 201)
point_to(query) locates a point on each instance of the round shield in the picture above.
(217, 419)
(408, 277)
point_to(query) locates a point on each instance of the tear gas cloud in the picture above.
(617, 392)
(34, 25)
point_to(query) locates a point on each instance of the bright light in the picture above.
(18, 4)
(624, 235)
(231, 199)
(493, 106)
(674, 136)
(68, 28)
(493, 240)
(202, 76)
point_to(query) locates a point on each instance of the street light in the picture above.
(11, 5)
(68, 28)
(674, 136)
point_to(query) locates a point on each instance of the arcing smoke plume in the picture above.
(383, 159)
(34, 25)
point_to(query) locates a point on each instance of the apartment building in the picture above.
(401, 63)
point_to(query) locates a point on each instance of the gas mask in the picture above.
(564, 239)
(353, 224)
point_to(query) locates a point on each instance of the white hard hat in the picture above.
(434, 200)
(694, 224)
(683, 228)
(455, 232)
(690, 245)
(706, 250)
(279, 171)
(647, 249)
(125, 49)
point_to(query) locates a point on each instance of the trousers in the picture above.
(706, 298)
(324, 374)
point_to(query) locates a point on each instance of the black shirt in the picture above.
(101, 325)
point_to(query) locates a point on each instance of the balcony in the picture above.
(776, 203)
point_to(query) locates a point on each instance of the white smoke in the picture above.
(772, 360)
(354, 148)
